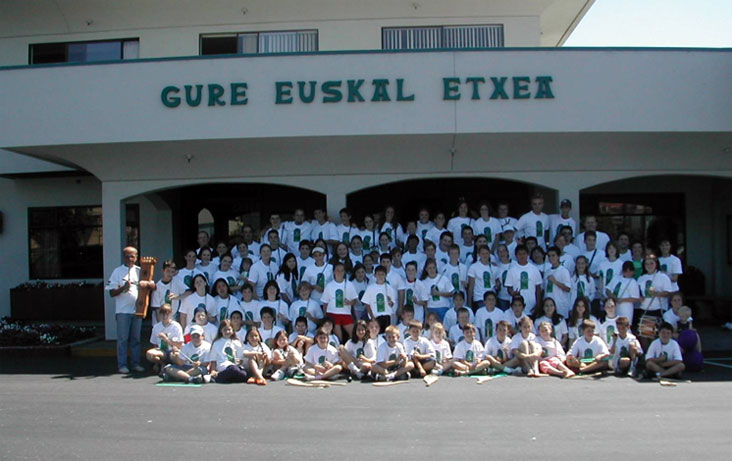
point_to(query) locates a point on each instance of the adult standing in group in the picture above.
(123, 286)
(535, 223)
(602, 239)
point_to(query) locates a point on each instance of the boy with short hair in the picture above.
(268, 330)
(407, 318)
(379, 299)
(625, 291)
(664, 358)
(456, 331)
(392, 361)
(525, 279)
(419, 349)
(451, 316)
(469, 352)
(488, 317)
(167, 335)
(190, 364)
(624, 348)
(301, 339)
(168, 290)
(306, 307)
(498, 350)
(588, 353)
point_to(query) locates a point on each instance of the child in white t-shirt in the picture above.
(392, 361)
(664, 358)
(456, 331)
(498, 350)
(322, 360)
(450, 319)
(301, 339)
(359, 353)
(443, 354)
(419, 349)
(190, 364)
(286, 359)
(469, 353)
(589, 352)
(167, 335)
(488, 316)
(268, 329)
(257, 357)
(624, 348)
(306, 307)
(552, 356)
(525, 348)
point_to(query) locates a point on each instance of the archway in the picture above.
(442, 194)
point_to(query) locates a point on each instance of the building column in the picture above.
(113, 224)
(335, 201)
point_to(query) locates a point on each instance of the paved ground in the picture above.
(71, 408)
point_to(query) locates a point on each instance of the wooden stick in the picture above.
(430, 380)
(483, 379)
(591, 375)
(329, 383)
(665, 383)
(298, 383)
(388, 383)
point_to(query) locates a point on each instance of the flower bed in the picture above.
(16, 333)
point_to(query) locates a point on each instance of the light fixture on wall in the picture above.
(189, 157)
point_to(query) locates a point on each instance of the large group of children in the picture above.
(476, 294)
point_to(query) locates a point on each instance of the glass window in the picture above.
(260, 42)
(440, 37)
(65, 242)
(107, 50)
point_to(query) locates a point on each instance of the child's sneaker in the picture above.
(359, 375)
(508, 370)
(277, 375)
(352, 366)
(379, 377)
(390, 376)
(197, 380)
(206, 379)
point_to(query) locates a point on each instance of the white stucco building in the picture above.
(490, 107)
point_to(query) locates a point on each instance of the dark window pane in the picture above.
(95, 51)
(219, 45)
(45, 53)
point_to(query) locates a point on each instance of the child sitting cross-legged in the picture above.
(589, 352)
(392, 361)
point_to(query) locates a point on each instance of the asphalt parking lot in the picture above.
(71, 408)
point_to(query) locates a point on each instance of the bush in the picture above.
(19, 333)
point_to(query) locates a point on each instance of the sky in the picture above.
(656, 23)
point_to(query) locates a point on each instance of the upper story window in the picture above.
(437, 37)
(260, 42)
(103, 50)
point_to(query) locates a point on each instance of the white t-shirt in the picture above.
(671, 265)
(393, 230)
(443, 285)
(173, 331)
(421, 346)
(301, 307)
(387, 353)
(419, 258)
(250, 310)
(225, 352)
(279, 306)
(287, 287)
(267, 334)
(501, 272)
(511, 318)
(518, 339)
(424, 228)
(456, 225)
(163, 290)
(458, 277)
(623, 287)
(434, 234)
(594, 259)
(622, 348)
(602, 240)
(486, 322)
(197, 354)
(261, 347)
(525, 279)
(561, 298)
(533, 225)
(231, 276)
(345, 233)
(670, 350)
(260, 274)
(450, 318)
(588, 350)
(318, 275)
(575, 332)
(608, 271)
(556, 222)
(336, 295)
(124, 303)
(357, 349)
(551, 348)
(558, 330)
(608, 328)
(442, 351)
(194, 301)
(224, 307)
(456, 333)
(660, 282)
(412, 291)
(378, 297)
(490, 229)
(370, 238)
(484, 279)
(185, 276)
(466, 253)
(208, 271)
(471, 353)
(582, 285)
(497, 349)
(325, 231)
(209, 331)
(294, 234)
(303, 264)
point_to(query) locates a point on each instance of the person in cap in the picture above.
(318, 274)
(557, 221)
(190, 363)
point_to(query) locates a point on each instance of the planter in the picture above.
(60, 302)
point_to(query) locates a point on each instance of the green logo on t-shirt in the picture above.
(270, 275)
(164, 346)
(469, 356)
(648, 288)
(249, 316)
(499, 355)
(188, 280)
(486, 280)
(589, 354)
(380, 303)
(321, 359)
(488, 233)
(624, 352)
(610, 333)
(302, 271)
(608, 276)
(195, 358)
(438, 356)
(359, 352)
(524, 280)
(456, 281)
(296, 235)
(664, 268)
(616, 291)
(539, 229)
(409, 295)
(392, 357)
(544, 352)
(301, 311)
(489, 328)
(339, 298)
(345, 238)
(367, 242)
(435, 297)
(320, 281)
(581, 288)
(229, 352)
(549, 287)
(222, 313)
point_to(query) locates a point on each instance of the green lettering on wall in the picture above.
(380, 92)
(476, 91)
(332, 91)
(238, 94)
(544, 90)
(498, 88)
(168, 100)
(306, 98)
(282, 93)
(353, 90)
(521, 88)
(215, 92)
(193, 101)
(450, 88)
(400, 91)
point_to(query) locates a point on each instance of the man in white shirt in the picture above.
(535, 223)
(322, 228)
(296, 231)
(123, 286)
(556, 221)
(602, 238)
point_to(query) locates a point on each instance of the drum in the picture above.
(647, 326)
